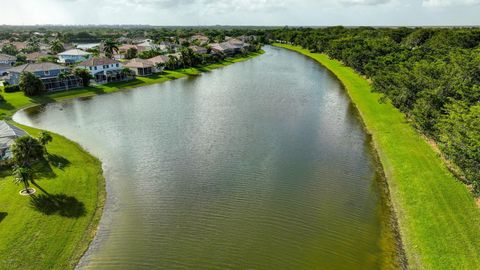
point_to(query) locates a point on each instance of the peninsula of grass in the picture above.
(54, 227)
(438, 219)
(17, 100)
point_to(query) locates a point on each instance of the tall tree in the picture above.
(26, 151)
(110, 47)
(23, 175)
(30, 84)
(56, 46)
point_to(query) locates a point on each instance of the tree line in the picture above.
(430, 74)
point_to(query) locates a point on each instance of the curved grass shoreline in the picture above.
(438, 219)
(55, 233)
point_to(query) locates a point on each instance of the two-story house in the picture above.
(49, 74)
(105, 70)
(73, 56)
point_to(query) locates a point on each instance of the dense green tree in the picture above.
(84, 75)
(110, 47)
(56, 46)
(30, 84)
(9, 49)
(131, 53)
(26, 151)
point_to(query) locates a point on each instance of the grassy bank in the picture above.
(16, 101)
(438, 218)
(54, 228)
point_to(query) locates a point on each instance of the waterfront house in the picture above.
(8, 134)
(73, 56)
(104, 69)
(48, 74)
(159, 62)
(6, 62)
(140, 67)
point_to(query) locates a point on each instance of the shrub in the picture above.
(11, 88)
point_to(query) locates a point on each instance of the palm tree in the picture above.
(56, 46)
(26, 150)
(109, 48)
(23, 175)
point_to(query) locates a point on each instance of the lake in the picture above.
(263, 164)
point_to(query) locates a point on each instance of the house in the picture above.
(48, 74)
(8, 134)
(159, 62)
(198, 49)
(140, 67)
(148, 44)
(6, 62)
(35, 56)
(73, 56)
(87, 46)
(105, 70)
(230, 47)
(200, 39)
(122, 50)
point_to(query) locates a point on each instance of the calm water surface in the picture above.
(260, 165)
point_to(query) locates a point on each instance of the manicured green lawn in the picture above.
(438, 218)
(54, 228)
(15, 101)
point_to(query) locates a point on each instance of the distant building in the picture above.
(104, 69)
(198, 49)
(6, 62)
(87, 46)
(48, 74)
(73, 56)
(33, 57)
(140, 67)
(201, 39)
(8, 134)
(230, 47)
(122, 50)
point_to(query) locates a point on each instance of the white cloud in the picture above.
(364, 2)
(450, 3)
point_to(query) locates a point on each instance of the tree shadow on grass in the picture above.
(3, 215)
(43, 169)
(57, 161)
(58, 204)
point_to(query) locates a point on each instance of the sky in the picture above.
(242, 12)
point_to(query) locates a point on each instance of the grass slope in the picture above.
(438, 218)
(15, 101)
(51, 232)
